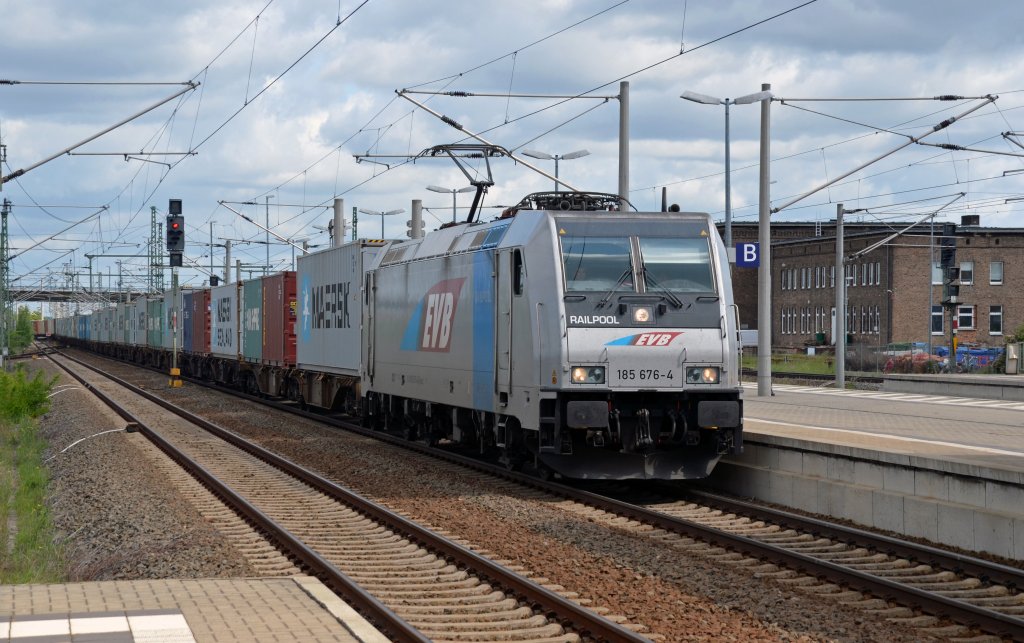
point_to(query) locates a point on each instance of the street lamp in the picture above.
(704, 99)
(454, 191)
(556, 158)
(382, 215)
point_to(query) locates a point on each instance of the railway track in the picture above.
(412, 583)
(888, 577)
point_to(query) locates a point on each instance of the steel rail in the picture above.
(936, 604)
(959, 563)
(586, 623)
(392, 624)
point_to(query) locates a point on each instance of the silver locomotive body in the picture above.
(596, 344)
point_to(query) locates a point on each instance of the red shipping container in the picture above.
(279, 314)
(201, 321)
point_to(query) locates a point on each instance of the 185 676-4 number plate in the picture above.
(643, 377)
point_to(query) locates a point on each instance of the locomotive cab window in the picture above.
(518, 272)
(661, 260)
(596, 264)
(679, 265)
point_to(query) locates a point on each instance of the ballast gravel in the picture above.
(120, 522)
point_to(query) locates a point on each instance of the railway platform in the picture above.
(994, 387)
(297, 608)
(943, 468)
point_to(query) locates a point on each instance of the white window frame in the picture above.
(991, 273)
(937, 311)
(966, 311)
(878, 273)
(967, 281)
(936, 273)
(995, 314)
(832, 277)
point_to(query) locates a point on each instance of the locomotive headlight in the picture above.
(641, 314)
(702, 375)
(588, 375)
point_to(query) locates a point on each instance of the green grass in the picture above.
(796, 363)
(28, 553)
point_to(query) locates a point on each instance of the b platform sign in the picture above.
(748, 255)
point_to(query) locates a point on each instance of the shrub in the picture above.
(21, 397)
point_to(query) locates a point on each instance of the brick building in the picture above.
(888, 293)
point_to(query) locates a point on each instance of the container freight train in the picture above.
(42, 328)
(591, 343)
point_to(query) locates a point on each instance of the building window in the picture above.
(966, 273)
(995, 273)
(995, 320)
(865, 321)
(817, 277)
(832, 277)
(784, 278)
(865, 274)
(965, 317)
(936, 274)
(936, 320)
(878, 273)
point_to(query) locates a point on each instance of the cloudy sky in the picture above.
(291, 90)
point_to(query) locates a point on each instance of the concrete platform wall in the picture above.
(974, 508)
(991, 387)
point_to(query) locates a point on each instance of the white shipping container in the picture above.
(224, 338)
(330, 307)
(169, 314)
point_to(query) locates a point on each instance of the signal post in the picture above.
(176, 247)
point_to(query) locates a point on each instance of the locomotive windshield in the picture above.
(597, 263)
(603, 264)
(678, 265)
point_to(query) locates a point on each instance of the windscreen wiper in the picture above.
(618, 284)
(668, 294)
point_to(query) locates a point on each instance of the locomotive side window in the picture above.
(518, 272)
(679, 265)
(596, 263)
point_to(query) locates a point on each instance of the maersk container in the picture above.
(252, 320)
(330, 305)
(154, 321)
(186, 321)
(279, 315)
(224, 338)
(201, 321)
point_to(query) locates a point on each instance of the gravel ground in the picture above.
(679, 596)
(116, 517)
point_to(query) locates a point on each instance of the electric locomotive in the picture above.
(591, 342)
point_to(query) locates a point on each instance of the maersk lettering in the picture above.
(329, 305)
(609, 320)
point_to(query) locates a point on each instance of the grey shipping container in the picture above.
(224, 338)
(330, 307)
(252, 320)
